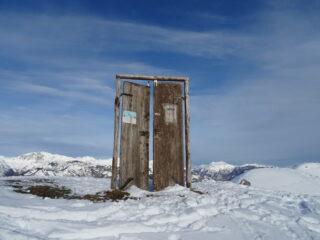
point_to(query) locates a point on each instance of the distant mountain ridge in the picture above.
(47, 164)
(221, 171)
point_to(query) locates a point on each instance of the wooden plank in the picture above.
(187, 134)
(152, 78)
(134, 145)
(168, 135)
(116, 133)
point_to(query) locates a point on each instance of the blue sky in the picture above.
(253, 67)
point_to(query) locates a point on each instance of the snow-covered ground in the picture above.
(273, 207)
(312, 169)
(281, 203)
(283, 179)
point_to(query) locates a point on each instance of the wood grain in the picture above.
(187, 134)
(152, 78)
(168, 135)
(134, 145)
(116, 137)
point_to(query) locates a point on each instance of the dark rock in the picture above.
(245, 182)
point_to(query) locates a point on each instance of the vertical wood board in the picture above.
(134, 142)
(116, 137)
(168, 135)
(187, 134)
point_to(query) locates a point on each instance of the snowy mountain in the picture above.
(4, 168)
(221, 171)
(47, 164)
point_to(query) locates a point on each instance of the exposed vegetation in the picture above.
(54, 191)
(48, 188)
(196, 191)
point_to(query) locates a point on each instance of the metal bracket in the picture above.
(126, 94)
(126, 184)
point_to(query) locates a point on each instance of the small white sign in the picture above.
(129, 117)
(170, 112)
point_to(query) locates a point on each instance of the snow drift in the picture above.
(226, 211)
(281, 203)
(283, 179)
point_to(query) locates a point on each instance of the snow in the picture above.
(221, 171)
(282, 179)
(227, 210)
(312, 169)
(216, 166)
(3, 166)
(281, 203)
(47, 164)
(45, 157)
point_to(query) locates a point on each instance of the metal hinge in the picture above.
(126, 94)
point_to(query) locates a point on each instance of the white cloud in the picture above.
(83, 82)
(270, 115)
(274, 116)
(40, 34)
(258, 121)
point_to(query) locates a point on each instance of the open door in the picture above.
(134, 142)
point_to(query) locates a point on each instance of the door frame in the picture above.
(185, 81)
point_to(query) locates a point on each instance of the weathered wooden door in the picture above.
(134, 142)
(168, 135)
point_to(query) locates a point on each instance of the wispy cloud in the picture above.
(273, 115)
(71, 95)
(94, 35)
(94, 84)
(267, 111)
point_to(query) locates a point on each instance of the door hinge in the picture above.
(126, 94)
